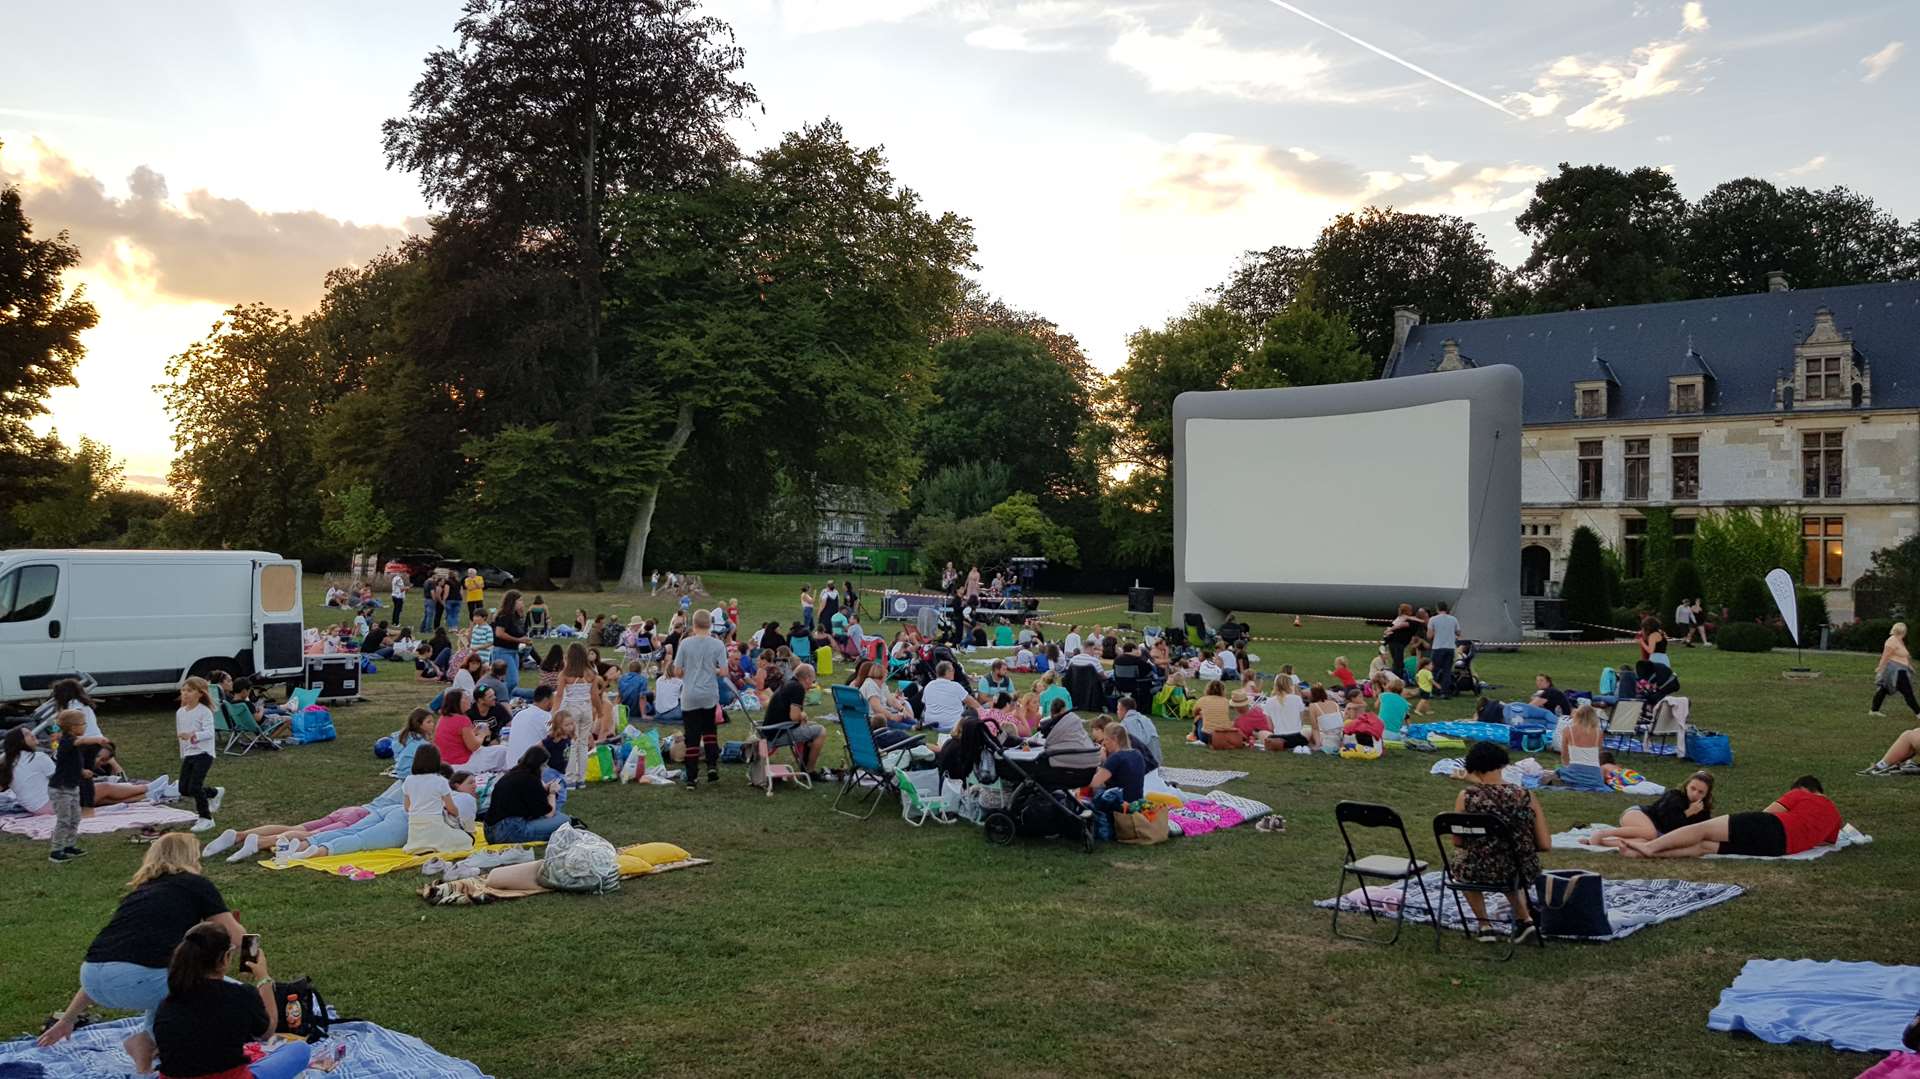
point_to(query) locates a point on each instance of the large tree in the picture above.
(40, 326)
(1603, 237)
(245, 403)
(1365, 264)
(542, 114)
(1744, 228)
(1001, 397)
(790, 306)
(1263, 283)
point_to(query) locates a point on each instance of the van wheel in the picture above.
(205, 668)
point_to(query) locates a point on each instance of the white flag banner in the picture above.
(1780, 582)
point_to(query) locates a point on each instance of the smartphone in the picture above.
(249, 949)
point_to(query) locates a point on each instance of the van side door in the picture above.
(278, 621)
(34, 652)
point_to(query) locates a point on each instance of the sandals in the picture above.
(354, 872)
(1270, 823)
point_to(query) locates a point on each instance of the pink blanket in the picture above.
(104, 820)
(1896, 1066)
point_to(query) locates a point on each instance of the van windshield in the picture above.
(26, 594)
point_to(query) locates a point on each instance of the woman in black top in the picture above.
(205, 1023)
(126, 966)
(1675, 809)
(522, 808)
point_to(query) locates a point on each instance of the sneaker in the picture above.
(1876, 713)
(221, 844)
(1910, 768)
(462, 871)
(713, 777)
(59, 856)
(73, 852)
(213, 803)
(434, 867)
(247, 849)
(1878, 769)
(204, 824)
(1525, 933)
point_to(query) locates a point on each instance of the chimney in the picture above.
(1777, 281)
(1404, 320)
(1449, 355)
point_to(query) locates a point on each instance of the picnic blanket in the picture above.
(373, 1052)
(1575, 839)
(1466, 730)
(1199, 778)
(1631, 743)
(1863, 1007)
(635, 860)
(1216, 812)
(105, 819)
(1897, 1066)
(1632, 905)
(1526, 772)
(384, 860)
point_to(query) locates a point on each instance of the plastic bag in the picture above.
(579, 861)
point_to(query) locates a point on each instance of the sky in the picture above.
(1114, 159)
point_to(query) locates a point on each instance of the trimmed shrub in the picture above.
(1751, 601)
(1627, 618)
(1813, 615)
(1585, 585)
(1865, 636)
(1745, 637)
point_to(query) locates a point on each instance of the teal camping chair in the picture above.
(865, 764)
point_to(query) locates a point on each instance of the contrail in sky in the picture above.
(1408, 64)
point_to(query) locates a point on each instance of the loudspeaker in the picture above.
(337, 677)
(1550, 614)
(1140, 600)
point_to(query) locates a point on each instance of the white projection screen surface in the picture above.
(1286, 468)
(1351, 499)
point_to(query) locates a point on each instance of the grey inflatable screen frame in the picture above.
(1487, 474)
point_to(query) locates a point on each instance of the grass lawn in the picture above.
(817, 944)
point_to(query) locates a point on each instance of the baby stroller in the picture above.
(1464, 680)
(1032, 810)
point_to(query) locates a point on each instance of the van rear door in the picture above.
(34, 652)
(278, 624)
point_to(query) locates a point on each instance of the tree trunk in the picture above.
(633, 575)
(586, 561)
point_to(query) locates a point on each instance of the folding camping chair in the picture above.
(761, 770)
(302, 698)
(1668, 722)
(1450, 828)
(235, 720)
(866, 765)
(1624, 720)
(1406, 869)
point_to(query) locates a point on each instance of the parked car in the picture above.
(493, 575)
(415, 564)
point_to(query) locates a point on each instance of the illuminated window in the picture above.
(1823, 543)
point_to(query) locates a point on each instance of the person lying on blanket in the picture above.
(389, 825)
(245, 843)
(1673, 810)
(1899, 758)
(1799, 820)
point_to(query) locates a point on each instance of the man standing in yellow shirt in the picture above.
(476, 592)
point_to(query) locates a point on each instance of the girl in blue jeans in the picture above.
(524, 807)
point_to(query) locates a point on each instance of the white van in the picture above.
(142, 621)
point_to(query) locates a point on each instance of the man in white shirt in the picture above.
(400, 586)
(1084, 658)
(1071, 644)
(529, 725)
(943, 703)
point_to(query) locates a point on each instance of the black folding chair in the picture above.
(1452, 828)
(1406, 870)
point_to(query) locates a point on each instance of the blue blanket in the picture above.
(1464, 729)
(1863, 1007)
(373, 1052)
(1632, 905)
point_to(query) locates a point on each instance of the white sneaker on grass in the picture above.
(1879, 768)
(221, 844)
(204, 824)
(248, 849)
(213, 803)
(1876, 713)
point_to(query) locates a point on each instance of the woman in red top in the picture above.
(1800, 820)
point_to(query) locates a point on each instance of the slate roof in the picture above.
(1745, 342)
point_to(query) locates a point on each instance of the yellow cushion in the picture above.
(656, 853)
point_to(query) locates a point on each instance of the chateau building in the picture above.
(1807, 400)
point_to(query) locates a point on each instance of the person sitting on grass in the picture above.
(1672, 811)
(436, 821)
(1212, 713)
(525, 804)
(207, 1021)
(1122, 769)
(1899, 757)
(1511, 863)
(1363, 736)
(125, 968)
(1579, 745)
(1284, 709)
(1799, 820)
(997, 679)
(1249, 718)
(454, 736)
(1343, 674)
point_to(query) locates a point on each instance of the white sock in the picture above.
(221, 843)
(247, 849)
(1884, 764)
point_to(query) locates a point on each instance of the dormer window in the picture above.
(1686, 397)
(1590, 400)
(1828, 371)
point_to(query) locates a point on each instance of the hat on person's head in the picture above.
(635, 622)
(1239, 699)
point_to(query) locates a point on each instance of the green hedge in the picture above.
(1865, 636)
(1746, 637)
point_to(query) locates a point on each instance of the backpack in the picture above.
(304, 1013)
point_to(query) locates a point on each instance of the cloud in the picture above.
(203, 247)
(1653, 70)
(1198, 59)
(824, 16)
(1210, 174)
(1878, 63)
(1034, 26)
(1812, 164)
